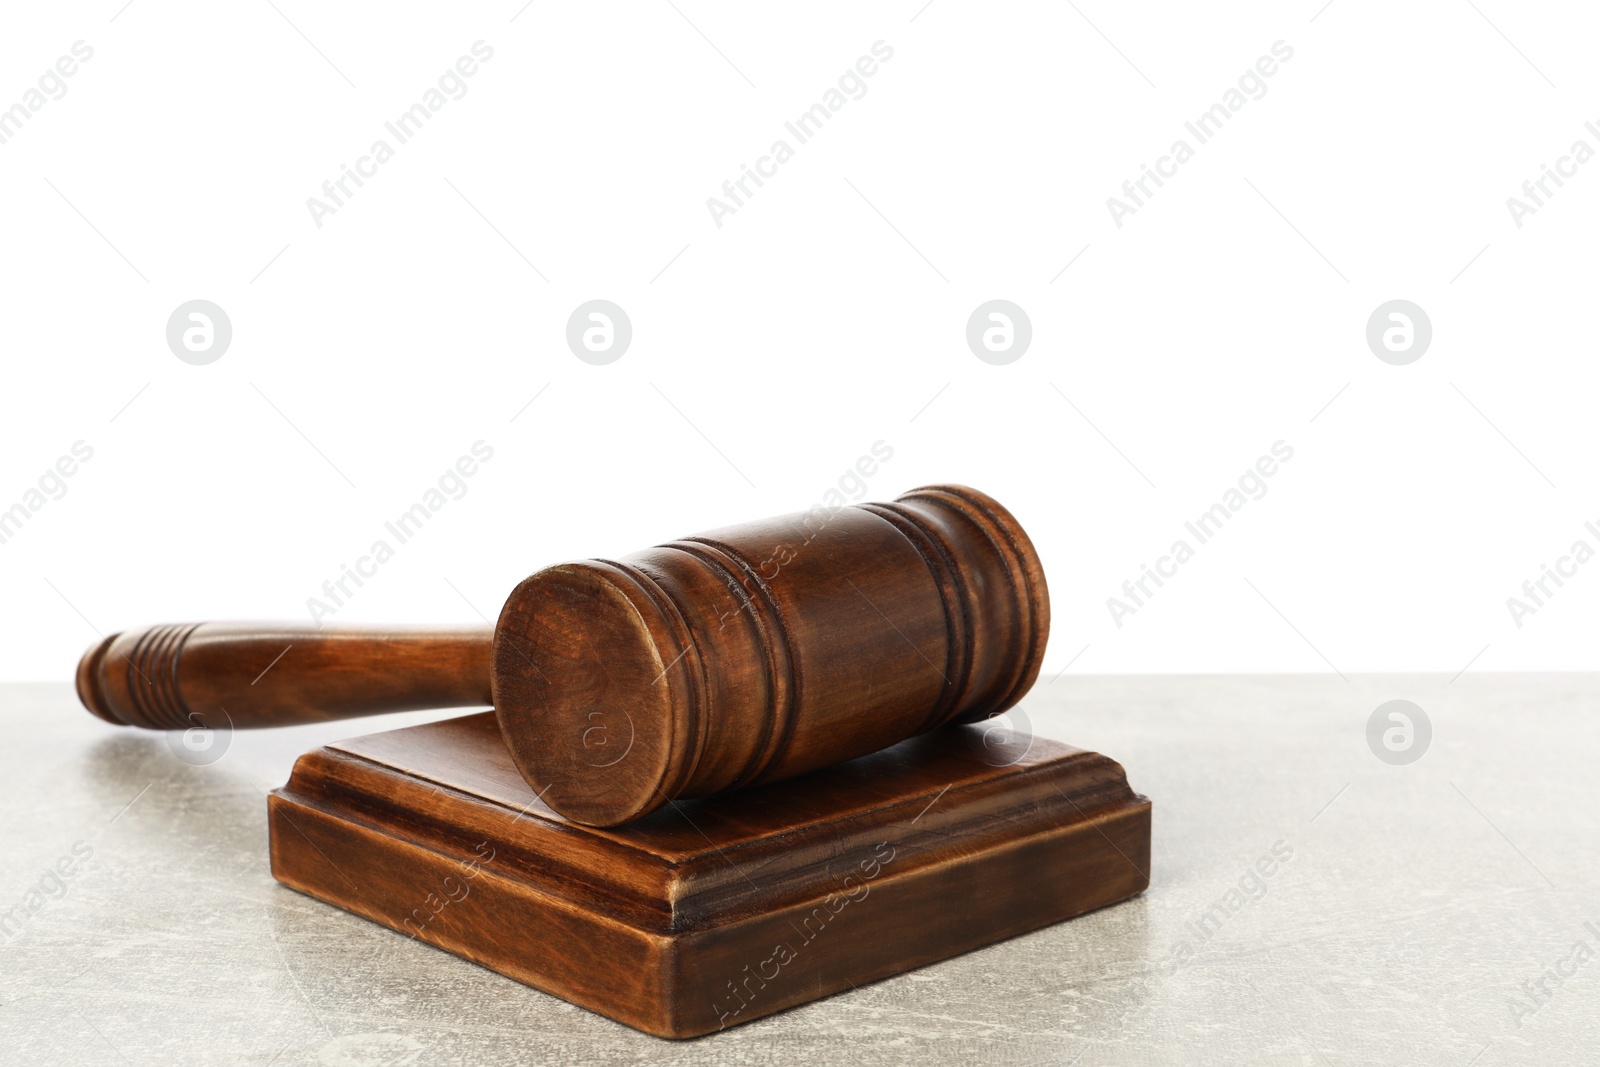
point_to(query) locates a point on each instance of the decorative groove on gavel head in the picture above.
(764, 650)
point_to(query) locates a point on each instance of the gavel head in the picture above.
(760, 651)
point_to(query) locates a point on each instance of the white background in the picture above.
(827, 314)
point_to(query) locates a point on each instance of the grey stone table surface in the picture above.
(1445, 911)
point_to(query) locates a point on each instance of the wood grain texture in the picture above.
(711, 913)
(760, 651)
(736, 657)
(241, 675)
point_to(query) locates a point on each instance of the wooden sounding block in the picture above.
(709, 913)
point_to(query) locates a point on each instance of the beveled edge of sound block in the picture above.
(675, 924)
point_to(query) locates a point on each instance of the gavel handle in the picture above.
(249, 674)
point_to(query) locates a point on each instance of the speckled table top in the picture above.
(1319, 896)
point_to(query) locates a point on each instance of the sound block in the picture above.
(710, 913)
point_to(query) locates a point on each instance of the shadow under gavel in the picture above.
(735, 657)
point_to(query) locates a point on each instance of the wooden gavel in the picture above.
(732, 658)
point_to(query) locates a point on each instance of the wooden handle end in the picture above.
(172, 676)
